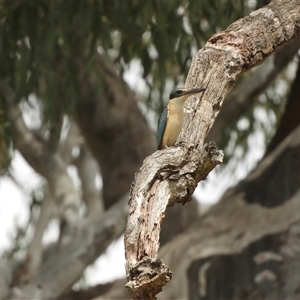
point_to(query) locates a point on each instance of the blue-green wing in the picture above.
(161, 126)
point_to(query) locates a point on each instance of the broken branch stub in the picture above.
(166, 177)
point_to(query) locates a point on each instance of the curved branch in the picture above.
(235, 222)
(171, 175)
(35, 248)
(245, 94)
(49, 165)
(87, 171)
(65, 266)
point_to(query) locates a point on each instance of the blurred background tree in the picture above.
(72, 64)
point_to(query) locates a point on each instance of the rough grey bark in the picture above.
(170, 176)
(161, 181)
(62, 268)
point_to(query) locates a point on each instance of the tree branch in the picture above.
(65, 266)
(245, 94)
(72, 140)
(233, 224)
(49, 165)
(171, 175)
(238, 220)
(35, 248)
(87, 171)
(162, 180)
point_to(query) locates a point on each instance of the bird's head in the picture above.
(184, 92)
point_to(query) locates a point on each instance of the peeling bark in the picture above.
(163, 180)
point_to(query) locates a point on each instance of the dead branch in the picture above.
(170, 176)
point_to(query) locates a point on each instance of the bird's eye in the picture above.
(176, 94)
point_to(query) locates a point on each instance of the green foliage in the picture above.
(43, 42)
(46, 47)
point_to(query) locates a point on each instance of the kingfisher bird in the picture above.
(171, 119)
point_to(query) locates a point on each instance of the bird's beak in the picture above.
(193, 91)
